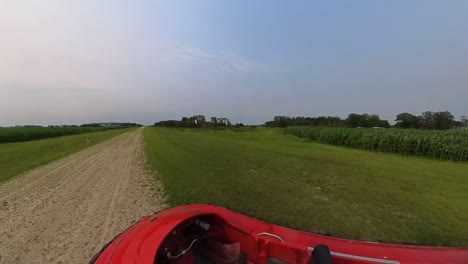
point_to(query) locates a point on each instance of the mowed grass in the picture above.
(281, 179)
(16, 158)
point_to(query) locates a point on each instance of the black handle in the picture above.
(321, 255)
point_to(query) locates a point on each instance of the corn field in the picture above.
(20, 134)
(444, 145)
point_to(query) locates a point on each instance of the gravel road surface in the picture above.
(66, 211)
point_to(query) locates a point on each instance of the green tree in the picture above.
(365, 120)
(427, 120)
(384, 123)
(214, 121)
(373, 121)
(223, 121)
(407, 120)
(197, 120)
(184, 122)
(282, 121)
(464, 121)
(443, 120)
(357, 120)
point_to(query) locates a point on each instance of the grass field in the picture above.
(16, 158)
(284, 180)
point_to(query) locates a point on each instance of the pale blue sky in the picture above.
(67, 61)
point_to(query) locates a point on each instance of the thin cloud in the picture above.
(180, 56)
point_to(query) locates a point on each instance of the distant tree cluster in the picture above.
(463, 123)
(428, 120)
(28, 126)
(197, 121)
(365, 120)
(62, 126)
(127, 124)
(284, 121)
(91, 125)
(111, 124)
(353, 120)
(169, 123)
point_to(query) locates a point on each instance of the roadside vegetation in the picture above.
(347, 192)
(427, 120)
(28, 133)
(21, 134)
(445, 145)
(198, 121)
(16, 158)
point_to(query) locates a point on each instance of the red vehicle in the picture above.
(210, 234)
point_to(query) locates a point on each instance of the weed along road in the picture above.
(67, 210)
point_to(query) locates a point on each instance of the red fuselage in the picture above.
(164, 238)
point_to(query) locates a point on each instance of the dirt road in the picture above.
(65, 211)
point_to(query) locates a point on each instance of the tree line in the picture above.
(427, 120)
(111, 124)
(353, 120)
(108, 124)
(198, 121)
(430, 120)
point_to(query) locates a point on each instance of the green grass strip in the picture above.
(281, 179)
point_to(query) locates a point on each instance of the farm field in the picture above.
(21, 134)
(16, 158)
(444, 145)
(346, 192)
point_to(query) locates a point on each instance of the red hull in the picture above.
(227, 233)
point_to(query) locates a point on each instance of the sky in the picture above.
(72, 62)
